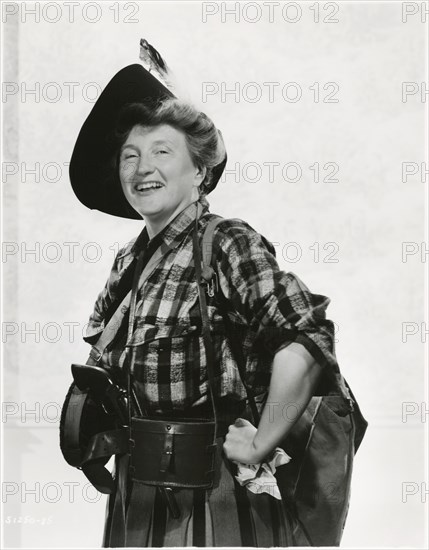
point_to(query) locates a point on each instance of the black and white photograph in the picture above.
(214, 274)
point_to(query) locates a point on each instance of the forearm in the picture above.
(294, 378)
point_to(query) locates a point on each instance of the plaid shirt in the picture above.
(268, 309)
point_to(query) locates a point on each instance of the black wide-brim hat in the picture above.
(94, 181)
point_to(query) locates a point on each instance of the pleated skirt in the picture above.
(225, 515)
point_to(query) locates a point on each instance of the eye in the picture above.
(161, 152)
(128, 155)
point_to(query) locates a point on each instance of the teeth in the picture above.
(149, 185)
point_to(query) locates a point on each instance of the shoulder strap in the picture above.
(208, 241)
(121, 290)
(208, 342)
(208, 273)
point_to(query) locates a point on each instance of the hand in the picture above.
(238, 445)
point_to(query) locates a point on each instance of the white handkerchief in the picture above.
(259, 478)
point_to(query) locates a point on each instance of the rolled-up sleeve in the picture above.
(276, 306)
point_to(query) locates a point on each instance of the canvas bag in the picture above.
(315, 484)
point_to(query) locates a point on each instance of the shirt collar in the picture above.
(175, 231)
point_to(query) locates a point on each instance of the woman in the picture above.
(166, 158)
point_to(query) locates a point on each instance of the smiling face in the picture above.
(157, 174)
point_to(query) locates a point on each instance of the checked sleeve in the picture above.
(276, 306)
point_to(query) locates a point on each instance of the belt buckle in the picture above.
(213, 285)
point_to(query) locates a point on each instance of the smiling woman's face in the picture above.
(157, 174)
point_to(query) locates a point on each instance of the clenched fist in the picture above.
(238, 445)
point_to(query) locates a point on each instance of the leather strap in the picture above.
(208, 342)
(208, 241)
(199, 518)
(167, 453)
(208, 272)
(100, 448)
(71, 417)
(105, 444)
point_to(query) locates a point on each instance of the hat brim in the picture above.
(92, 177)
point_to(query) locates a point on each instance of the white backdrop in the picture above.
(337, 84)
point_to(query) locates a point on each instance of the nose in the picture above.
(145, 165)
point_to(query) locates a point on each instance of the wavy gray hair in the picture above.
(205, 143)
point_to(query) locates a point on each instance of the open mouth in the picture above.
(148, 186)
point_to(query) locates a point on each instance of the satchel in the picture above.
(176, 452)
(315, 485)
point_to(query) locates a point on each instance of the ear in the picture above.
(200, 174)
